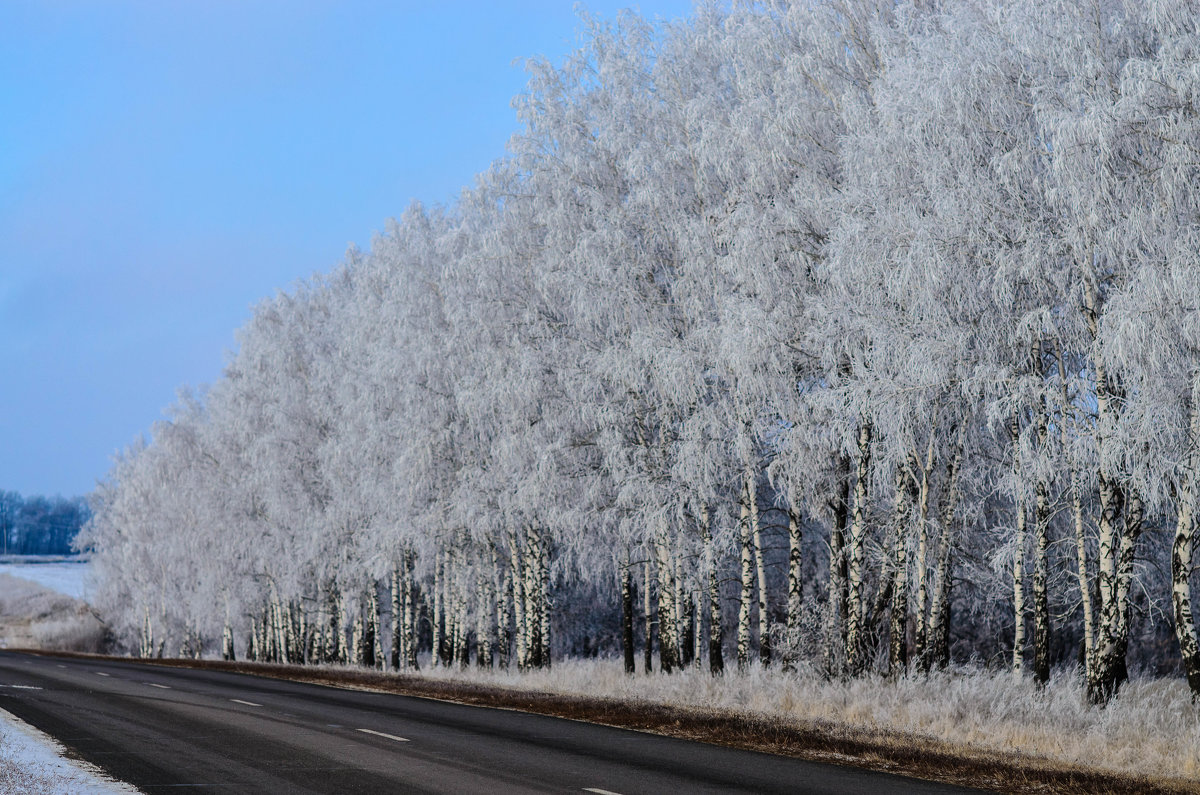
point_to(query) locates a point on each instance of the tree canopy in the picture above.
(818, 324)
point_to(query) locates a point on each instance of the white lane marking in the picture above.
(381, 734)
(22, 687)
(62, 666)
(247, 703)
(99, 673)
(164, 687)
(600, 791)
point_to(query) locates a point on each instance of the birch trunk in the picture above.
(460, 636)
(300, 632)
(898, 626)
(227, 652)
(920, 638)
(1041, 597)
(682, 643)
(1134, 515)
(483, 620)
(760, 570)
(397, 617)
(1183, 556)
(627, 617)
(1041, 529)
(278, 630)
(1103, 675)
(716, 656)
(1182, 564)
(1183, 549)
(262, 627)
(835, 619)
(503, 620)
(747, 572)
(227, 635)
(648, 659)
(439, 574)
(251, 642)
(1106, 669)
(146, 641)
(795, 603)
(518, 601)
(410, 613)
(499, 615)
(1014, 432)
(1081, 563)
(356, 638)
(294, 629)
(533, 591)
(858, 529)
(266, 650)
(667, 627)
(939, 610)
(341, 651)
(695, 608)
(320, 652)
(544, 602)
(373, 645)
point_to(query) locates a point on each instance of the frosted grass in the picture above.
(33, 616)
(1152, 728)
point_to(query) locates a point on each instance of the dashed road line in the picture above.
(247, 703)
(381, 734)
(600, 791)
(164, 687)
(100, 673)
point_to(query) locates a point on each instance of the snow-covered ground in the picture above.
(62, 575)
(31, 762)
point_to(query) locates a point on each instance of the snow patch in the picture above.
(33, 762)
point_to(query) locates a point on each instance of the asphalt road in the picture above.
(160, 728)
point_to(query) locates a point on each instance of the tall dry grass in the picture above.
(1152, 728)
(32, 616)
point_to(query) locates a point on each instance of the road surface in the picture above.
(179, 729)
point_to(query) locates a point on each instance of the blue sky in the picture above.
(164, 166)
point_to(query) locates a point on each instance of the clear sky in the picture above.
(164, 166)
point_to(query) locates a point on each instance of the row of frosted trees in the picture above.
(854, 334)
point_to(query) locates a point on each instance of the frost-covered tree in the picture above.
(856, 334)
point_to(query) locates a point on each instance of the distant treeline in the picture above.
(40, 525)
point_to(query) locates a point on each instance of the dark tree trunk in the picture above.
(627, 618)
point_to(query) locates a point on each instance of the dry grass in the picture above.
(1152, 729)
(964, 727)
(35, 617)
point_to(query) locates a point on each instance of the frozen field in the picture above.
(62, 575)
